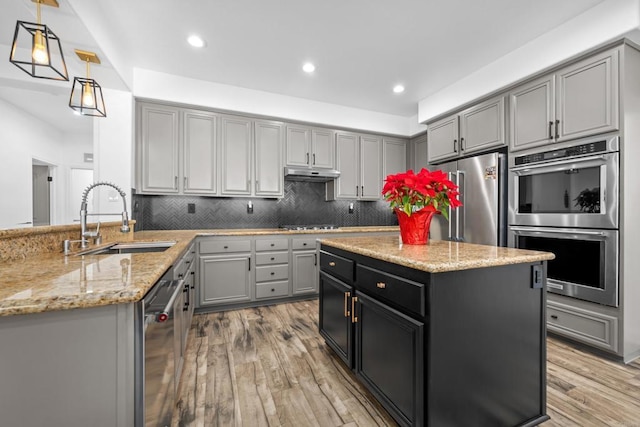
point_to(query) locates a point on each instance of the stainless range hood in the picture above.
(306, 174)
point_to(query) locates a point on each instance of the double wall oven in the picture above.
(565, 201)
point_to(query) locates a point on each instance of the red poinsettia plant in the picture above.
(411, 192)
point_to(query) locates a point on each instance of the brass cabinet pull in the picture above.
(347, 295)
(354, 318)
(332, 264)
(381, 285)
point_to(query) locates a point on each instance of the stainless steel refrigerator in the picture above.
(482, 218)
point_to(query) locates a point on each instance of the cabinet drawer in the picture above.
(337, 266)
(224, 246)
(272, 245)
(275, 272)
(308, 243)
(405, 293)
(583, 325)
(271, 290)
(272, 258)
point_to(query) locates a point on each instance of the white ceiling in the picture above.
(361, 48)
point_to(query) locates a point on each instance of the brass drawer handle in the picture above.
(354, 318)
(347, 295)
(332, 264)
(381, 285)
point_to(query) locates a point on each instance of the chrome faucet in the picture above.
(84, 233)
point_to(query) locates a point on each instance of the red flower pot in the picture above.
(414, 228)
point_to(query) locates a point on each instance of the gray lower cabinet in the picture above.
(272, 267)
(304, 265)
(224, 271)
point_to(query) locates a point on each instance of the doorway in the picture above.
(41, 195)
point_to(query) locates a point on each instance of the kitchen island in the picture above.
(444, 334)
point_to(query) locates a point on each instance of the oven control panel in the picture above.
(578, 150)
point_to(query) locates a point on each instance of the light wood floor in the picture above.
(268, 366)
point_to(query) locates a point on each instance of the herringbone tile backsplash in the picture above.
(303, 203)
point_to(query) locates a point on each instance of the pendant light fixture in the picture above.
(86, 94)
(36, 50)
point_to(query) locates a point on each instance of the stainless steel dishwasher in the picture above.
(155, 387)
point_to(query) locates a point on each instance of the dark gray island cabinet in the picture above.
(447, 334)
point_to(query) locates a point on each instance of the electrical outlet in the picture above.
(191, 208)
(351, 207)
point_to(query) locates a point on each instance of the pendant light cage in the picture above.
(83, 89)
(27, 36)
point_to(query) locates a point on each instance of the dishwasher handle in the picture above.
(163, 315)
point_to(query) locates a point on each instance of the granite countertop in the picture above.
(52, 281)
(437, 256)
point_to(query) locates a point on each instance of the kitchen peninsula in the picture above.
(442, 334)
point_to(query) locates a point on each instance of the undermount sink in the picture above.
(130, 248)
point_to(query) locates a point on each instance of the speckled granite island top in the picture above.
(51, 281)
(437, 256)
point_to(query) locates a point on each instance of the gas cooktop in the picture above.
(309, 227)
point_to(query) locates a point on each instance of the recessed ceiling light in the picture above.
(308, 67)
(195, 41)
(398, 88)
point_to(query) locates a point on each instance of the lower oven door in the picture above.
(586, 262)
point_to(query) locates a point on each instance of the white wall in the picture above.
(167, 87)
(605, 22)
(113, 148)
(23, 138)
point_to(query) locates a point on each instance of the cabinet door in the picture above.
(587, 97)
(298, 145)
(532, 114)
(420, 153)
(269, 170)
(442, 139)
(389, 358)
(347, 164)
(305, 272)
(322, 143)
(236, 141)
(395, 156)
(159, 148)
(335, 316)
(482, 126)
(199, 153)
(370, 168)
(225, 279)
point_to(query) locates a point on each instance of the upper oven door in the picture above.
(573, 192)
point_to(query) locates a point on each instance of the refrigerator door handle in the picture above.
(460, 211)
(455, 181)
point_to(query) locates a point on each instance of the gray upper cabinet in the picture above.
(158, 147)
(359, 160)
(578, 100)
(236, 136)
(532, 113)
(310, 147)
(370, 167)
(269, 177)
(347, 153)
(419, 144)
(587, 97)
(395, 156)
(482, 126)
(478, 128)
(442, 137)
(200, 153)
